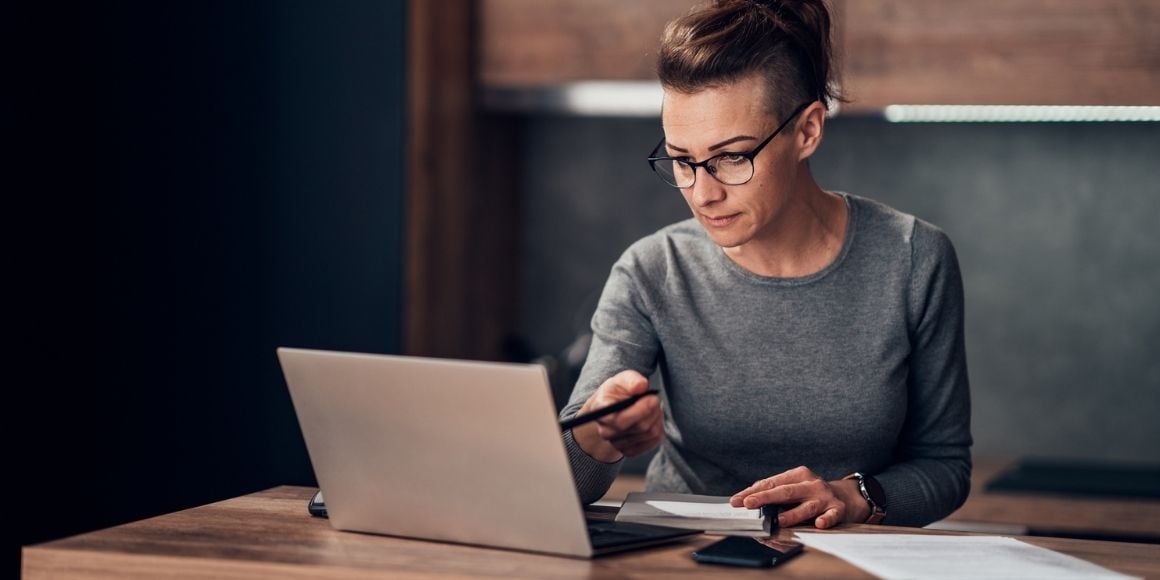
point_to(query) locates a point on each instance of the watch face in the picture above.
(875, 491)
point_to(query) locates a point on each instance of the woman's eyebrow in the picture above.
(724, 143)
(731, 141)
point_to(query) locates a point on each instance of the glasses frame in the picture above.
(710, 164)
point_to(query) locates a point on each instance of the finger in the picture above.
(759, 485)
(739, 497)
(649, 426)
(657, 428)
(790, 493)
(616, 388)
(651, 430)
(645, 428)
(626, 384)
(829, 518)
(804, 511)
(628, 442)
(763, 492)
(637, 417)
(633, 446)
(621, 424)
(795, 475)
(640, 415)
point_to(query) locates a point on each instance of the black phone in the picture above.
(746, 551)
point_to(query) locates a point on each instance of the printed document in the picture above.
(923, 556)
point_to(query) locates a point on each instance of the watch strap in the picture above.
(871, 492)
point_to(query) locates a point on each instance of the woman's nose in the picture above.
(706, 189)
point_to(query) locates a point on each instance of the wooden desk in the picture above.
(1021, 513)
(269, 534)
(1054, 515)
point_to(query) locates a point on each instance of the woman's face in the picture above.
(732, 119)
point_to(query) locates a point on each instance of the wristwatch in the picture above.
(872, 492)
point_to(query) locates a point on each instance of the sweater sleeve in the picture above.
(930, 476)
(623, 338)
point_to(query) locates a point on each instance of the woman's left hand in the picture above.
(830, 502)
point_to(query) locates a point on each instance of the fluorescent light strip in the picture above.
(613, 98)
(1019, 113)
(598, 98)
(585, 98)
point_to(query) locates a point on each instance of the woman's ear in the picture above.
(810, 127)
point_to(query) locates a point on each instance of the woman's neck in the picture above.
(807, 236)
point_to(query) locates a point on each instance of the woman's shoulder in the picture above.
(881, 225)
(684, 236)
(656, 253)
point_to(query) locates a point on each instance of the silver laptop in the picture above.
(446, 450)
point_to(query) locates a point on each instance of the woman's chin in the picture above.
(727, 240)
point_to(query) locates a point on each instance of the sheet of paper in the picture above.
(707, 513)
(694, 509)
(924, 556)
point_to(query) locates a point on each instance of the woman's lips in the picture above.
(721, 221)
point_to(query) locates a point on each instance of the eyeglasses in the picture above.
(728, 168)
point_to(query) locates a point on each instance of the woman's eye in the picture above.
(732, 158)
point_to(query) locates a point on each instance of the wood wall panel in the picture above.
(1052, 52)
(462, 207)
(1078, 52)
(538, 42)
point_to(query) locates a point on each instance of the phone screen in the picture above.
(745, 551)
(783, 546)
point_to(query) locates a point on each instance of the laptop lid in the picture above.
(447, 450)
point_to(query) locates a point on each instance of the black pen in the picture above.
(594, 415)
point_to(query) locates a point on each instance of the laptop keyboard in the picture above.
(604, 534)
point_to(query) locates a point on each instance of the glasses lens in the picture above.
(674, 172)
(733, 169)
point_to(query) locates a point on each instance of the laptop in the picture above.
(446, 450)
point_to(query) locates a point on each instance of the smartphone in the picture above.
(746, 551)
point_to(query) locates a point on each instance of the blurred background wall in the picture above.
(1053, 223)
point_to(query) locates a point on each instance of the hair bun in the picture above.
(780, 8)
(787, 41)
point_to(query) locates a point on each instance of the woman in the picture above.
(810, 342)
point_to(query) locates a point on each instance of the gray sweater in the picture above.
(858, 367)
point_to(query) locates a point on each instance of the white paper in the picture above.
(929, 556)
(705, 510)
(708, 513)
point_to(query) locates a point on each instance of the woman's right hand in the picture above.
(631, 432)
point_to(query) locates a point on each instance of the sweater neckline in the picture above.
(847, 242)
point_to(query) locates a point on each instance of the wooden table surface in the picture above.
(270, 534)
(1043, 514)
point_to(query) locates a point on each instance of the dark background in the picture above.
(192, 185)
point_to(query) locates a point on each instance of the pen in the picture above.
(594, 415)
